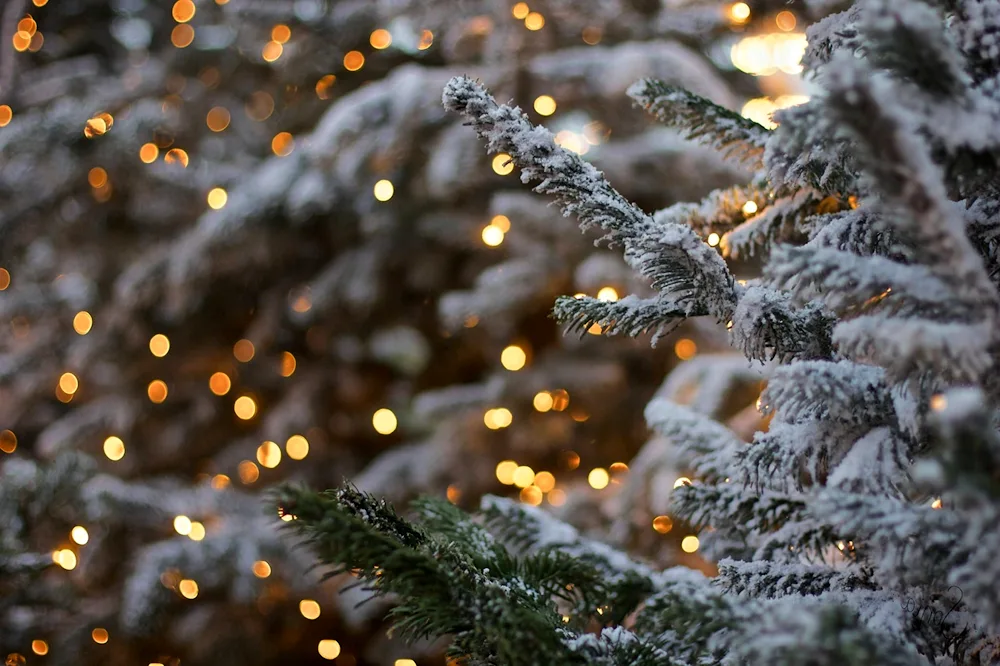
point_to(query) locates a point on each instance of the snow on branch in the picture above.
(701, 119)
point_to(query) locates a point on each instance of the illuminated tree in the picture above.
(861, 524)
(244, 243)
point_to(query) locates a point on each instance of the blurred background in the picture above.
(242, 243)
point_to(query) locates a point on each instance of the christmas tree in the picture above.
(860, 524)
(244, 243)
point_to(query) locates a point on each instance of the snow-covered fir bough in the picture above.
(863, 526)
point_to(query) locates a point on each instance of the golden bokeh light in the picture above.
(523, 476)
(219, 383)
(245, 407)
(380, 39)
(560, 399)
(531, 495)
(501, 222)
(329, 648)
(283, 144)
(182, 525)
(100, 635)
(557, 497)
(114, 448)
(159, 345)
(545, 481)
(182, 35)
(269, 454)
(534, 21)
(497, 418)
(598, 478)
(65, 558)
(502, 164)
(297, 447)
(323, 86)
(749, 208)
(353, 61)
(68, 383)
(157, 391)
(244, 350)
(384, 421)
(453, 493)
(261, 569)
(39, 647)
(79, 535)
(785, 20)
(248, 472)
(492, 236)
(383, 190)
(218, 118)
(8, 441)
(4, 279)
(544, 105)
(938, 402)
(287, 364)
(309, 608)
(259, 106)
(188, 588)
(685, 348)
(690, 543)
(513, 358)
(217, 198)
(281, 33)
(97, 177)
(609, 294)
(82, 322)
(739, 12)
(271, 51)
(520, 10)
(542, 401)
(197, 532)
(183, 11)
(663, 524)
(505, 472)
(713, 239)
(591, 35)
(682, 481)
(220, 482)
(426, 40)
(177, 156)
(6, 115)
(148, 153)
(96, 126)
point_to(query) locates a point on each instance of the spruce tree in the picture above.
(861, 525)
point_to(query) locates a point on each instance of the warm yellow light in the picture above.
(183, 11)
(534, 21)
(557, 497)
(157, 391)
(4, 279)
(520, 10)
(283, 144)
(531, 495)
(159, 345)
(595, 329)
(598, 478)
(426, 40)
(243, 350)
(218, 118)
(383, 190)
(97, 177)
(685, 349)
(329, 648)
(99, 635)
(261, 569)
(497, 418)
(245, 407)
(287, 364)
(663, 524)
(513, 358)
(269, 454)
(543, 401)
(8, 441)
(523, 476)
(749, 208)
(219, 383)
(197, 532)
(739, 12)
(309, 608)
(182, 36)
(79, 535)
(785, 20)
(353, 61)
(938, 402)
(689, 544)
(220, 482)
(607, 294)
(271, 51)
(182, 525)
(560, 399)
(545, 481)
(98, 125)
(177, 156)
(505, 472)
(545, 105)
(404, 662)
(188, 588)
(453, 493)
(380, 38)
(6, 115)
(503, 164)
(83, 322)
(148, 153)
(682, 481)
(713, 239)
(492, 236)
(297, 447)
(281, 33)
(39, 647)
(501, 222)
(937, 504)
(324, 84)
(384, 421)
(248, 472)
(68, 383)
(114, 448)
(217, 198)
(65, 558)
